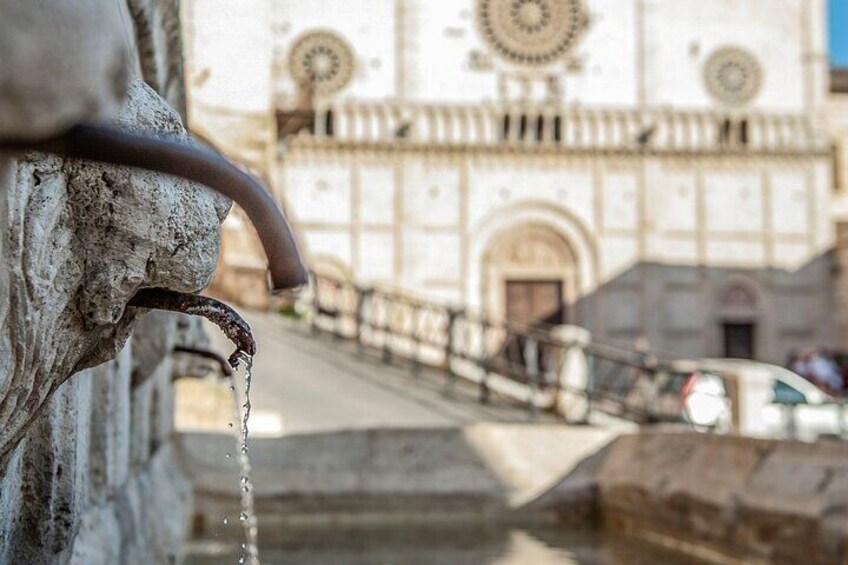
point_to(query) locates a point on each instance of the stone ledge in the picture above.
(758, 499)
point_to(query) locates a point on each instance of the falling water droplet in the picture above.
(226, 521)
(229, 456)
(247, 516)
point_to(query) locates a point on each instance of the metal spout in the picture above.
(107, 144)
(233, 325)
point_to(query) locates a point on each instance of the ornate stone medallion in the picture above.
(323, 59)
(733, 76)
(531, 32)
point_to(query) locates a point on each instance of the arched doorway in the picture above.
(738, 317)
(531, 276)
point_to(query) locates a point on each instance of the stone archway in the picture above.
(530, 274)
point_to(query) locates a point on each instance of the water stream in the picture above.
(249, 553)
(237, 331)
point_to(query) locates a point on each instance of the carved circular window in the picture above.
(733, 76)
(531, 32)
(321, 59)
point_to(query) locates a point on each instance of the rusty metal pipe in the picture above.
(223, 364)
(233, 325)
(108, 144)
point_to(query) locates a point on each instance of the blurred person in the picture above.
(800, 363)
(825, 371)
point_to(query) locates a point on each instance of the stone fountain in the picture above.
(87, 473)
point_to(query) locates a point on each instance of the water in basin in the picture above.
(447, 545)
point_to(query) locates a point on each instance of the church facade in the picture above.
(642, 168)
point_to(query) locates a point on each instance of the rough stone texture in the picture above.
(774, 501)
(43, 90)
(159, 40)
(82, 238)
(86, 465)
(95, 481)
(153, 339)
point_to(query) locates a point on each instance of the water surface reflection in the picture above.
(446, 545)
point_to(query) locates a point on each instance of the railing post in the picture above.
(450, 348)
(482, 362)
(415, 365)
(338, 326)
(363, 296)
(316, 304)
(484, 388)
(590, 380)
(387, 333)
(531, 361)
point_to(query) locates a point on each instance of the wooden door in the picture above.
(532, 302)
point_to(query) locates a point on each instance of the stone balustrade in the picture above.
(582, 128)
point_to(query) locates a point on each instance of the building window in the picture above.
(739, 339)
(738, 315)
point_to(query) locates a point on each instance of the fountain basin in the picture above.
(719, 498)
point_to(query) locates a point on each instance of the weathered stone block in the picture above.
(43, 90)
(81, 238)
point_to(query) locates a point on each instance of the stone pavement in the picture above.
(307, 383)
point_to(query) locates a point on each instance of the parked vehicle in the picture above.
(691, 394)
(765, 400)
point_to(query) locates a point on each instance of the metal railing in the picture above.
(553, 368)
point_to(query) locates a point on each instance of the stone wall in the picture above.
(95, 480)
(86, 465)
(764, 501)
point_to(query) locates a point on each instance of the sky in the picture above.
(838, 32)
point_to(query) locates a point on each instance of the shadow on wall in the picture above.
(706, 311)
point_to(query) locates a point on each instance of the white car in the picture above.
(766, 401)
